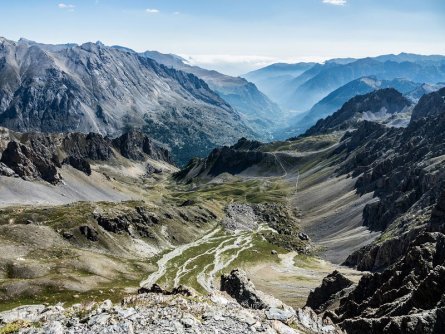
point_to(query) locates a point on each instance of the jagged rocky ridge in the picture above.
(430, 105)
(404, 168)
(382, 105)
(407, 297)
(236, 159)
(94, 88)
(38, 156)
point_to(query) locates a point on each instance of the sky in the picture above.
(235, 36)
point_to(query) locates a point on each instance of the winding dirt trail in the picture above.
(223, 249)
(242, 242)
(162, 263)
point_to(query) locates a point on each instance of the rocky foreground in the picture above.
(242, 309)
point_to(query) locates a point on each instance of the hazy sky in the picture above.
(235, 36)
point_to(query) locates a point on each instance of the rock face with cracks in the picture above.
(38, 156)
(333, 287)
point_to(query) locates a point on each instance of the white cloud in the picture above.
(152, 11)
(176, 13)
(229, 64)
(335, 2)
(240, 64)
(66, 6)
(229, 59)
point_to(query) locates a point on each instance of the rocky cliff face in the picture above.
(256, 109)
(94, 88)
(430, 105)
(38, 156)
(407, 297)
(404, 167)
(404, 170)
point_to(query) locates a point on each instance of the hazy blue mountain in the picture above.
(423, 89)
(273, 80)
(331, 103)
(329, 79)
(410, 57)
(301, 91)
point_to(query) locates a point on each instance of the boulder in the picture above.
(6, 171)
(238, 286)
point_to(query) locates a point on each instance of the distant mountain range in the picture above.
(273, 80)
(335, 100)
(320, 89)
(108, 90)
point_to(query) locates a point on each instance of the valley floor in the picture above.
(184, 245)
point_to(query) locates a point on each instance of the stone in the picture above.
(89, 232)
(6, 171)
(79, 163)
(188, 321)
(332, 288)
(281, 328)
(100, 319)
(237, 285)
(29, 313)
(67, 235)
(283, 315)
(303, 236)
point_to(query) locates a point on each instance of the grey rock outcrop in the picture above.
(28, 164)
(432, 104)
(38, 156)
(333, 287)
(238, 285)
(159, 314)
(405, 298)
(89, 232)
(135, 145)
